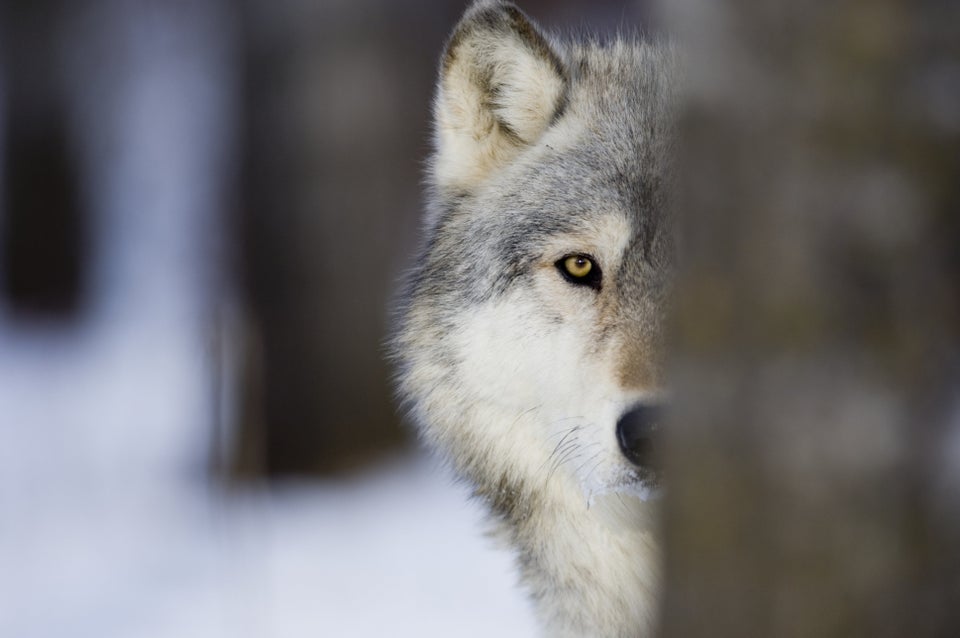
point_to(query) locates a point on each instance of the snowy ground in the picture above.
(394, 553)
(108, 530)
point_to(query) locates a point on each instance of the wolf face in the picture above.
(531, 337)
(542, 287)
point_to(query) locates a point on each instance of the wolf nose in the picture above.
(635, 433)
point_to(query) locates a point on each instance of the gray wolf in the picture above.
(530, 337)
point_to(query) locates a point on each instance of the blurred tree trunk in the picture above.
(43, 227)
(813, 461)
(335, 125)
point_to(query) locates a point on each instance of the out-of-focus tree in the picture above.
(813, 459)
(43, 228)
(335, 116)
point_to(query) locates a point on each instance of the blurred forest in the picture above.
(206, 206)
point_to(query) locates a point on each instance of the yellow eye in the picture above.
(578, 266)
(581, 270)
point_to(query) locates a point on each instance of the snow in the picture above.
(397, 552)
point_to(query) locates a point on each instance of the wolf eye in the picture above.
(580, 269)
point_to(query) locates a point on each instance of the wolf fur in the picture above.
(516, 373)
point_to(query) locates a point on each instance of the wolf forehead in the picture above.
(603, 153)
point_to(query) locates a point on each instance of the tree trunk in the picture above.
(43, 226)
(813, 459)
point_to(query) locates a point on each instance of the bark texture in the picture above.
(813, 460)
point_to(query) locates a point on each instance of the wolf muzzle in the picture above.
(636, 430)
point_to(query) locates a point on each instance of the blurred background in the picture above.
(205, 207)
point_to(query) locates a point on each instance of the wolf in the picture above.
(530, 336)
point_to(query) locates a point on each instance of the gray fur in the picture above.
(485, 242)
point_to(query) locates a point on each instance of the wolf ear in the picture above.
(501, 85)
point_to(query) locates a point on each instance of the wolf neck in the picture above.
(592, 568)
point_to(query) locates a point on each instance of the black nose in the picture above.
(635, 433)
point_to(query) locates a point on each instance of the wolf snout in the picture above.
(636, 430)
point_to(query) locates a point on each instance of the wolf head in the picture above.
(530, 339)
